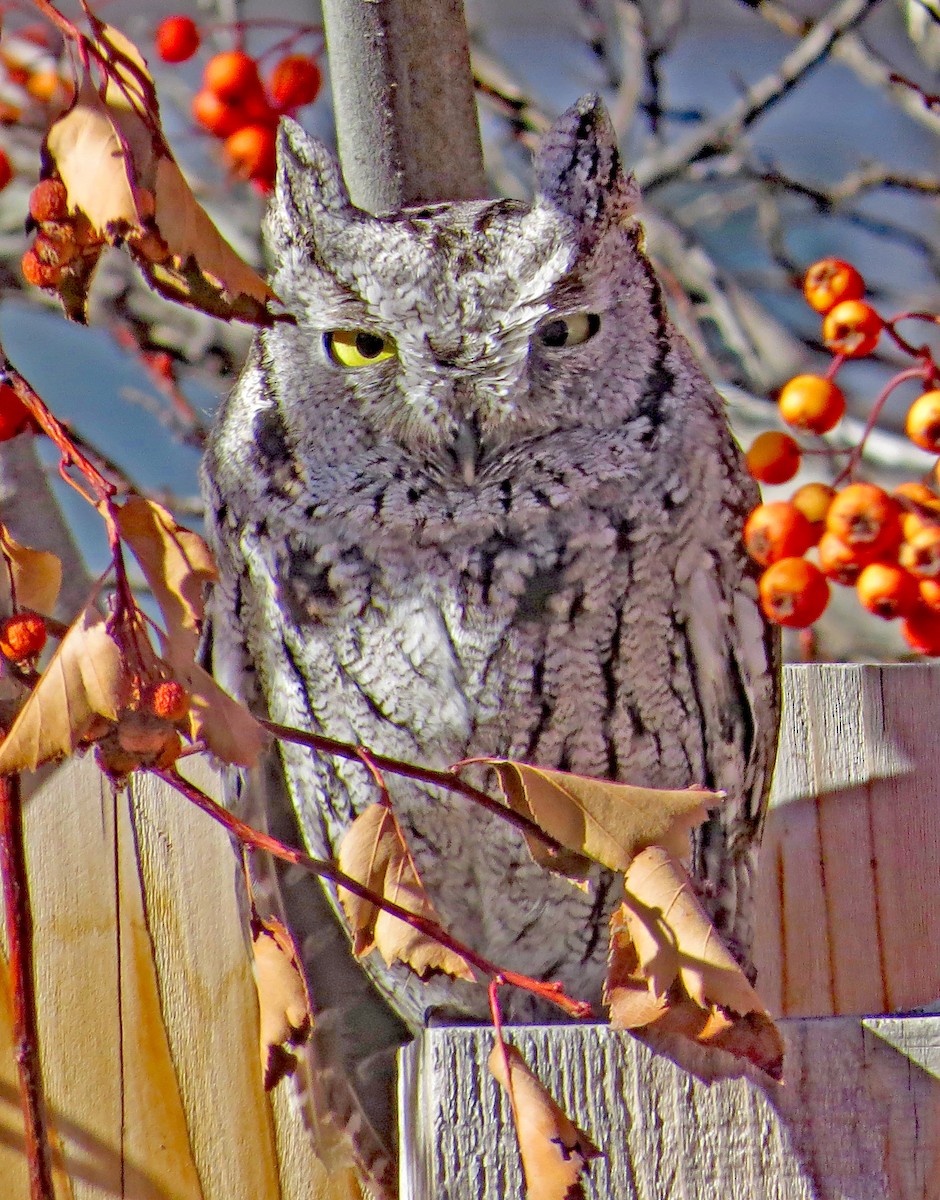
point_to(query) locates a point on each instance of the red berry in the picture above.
(863, 514)
(852, 328)
(921, 631)
(887, 590)
(6, 170)
(773, 457)
(813, 500)
(48, 201)
(830, 281)
(37, 272)
(923, 422)
(793, 592)
(295, 81)
(777, 530)
(840, 562)
(14, 415)
(216, 115)
(232, 75)
(167, 699)
(177, 39)
(251, 152)
(22, 636)
(920, 553)
(812, 403)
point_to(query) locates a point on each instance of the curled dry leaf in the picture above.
(85, 680)
(554, 1152)
(673, 934)
(373, 852)
(283, 1001)
(598, 819)
(36, 574)
(124, 187)
(669, 971)
(216, 718)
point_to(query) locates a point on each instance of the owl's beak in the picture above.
(466, 449)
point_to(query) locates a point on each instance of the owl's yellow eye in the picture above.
(358, 347)
(569, 331)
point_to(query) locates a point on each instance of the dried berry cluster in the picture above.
(886, 546)
(233, 104)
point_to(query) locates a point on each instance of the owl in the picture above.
(478, 499)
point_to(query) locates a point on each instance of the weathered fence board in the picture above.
(849, 899)
(857, 1119)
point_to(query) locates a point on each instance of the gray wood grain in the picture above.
(858, 1118)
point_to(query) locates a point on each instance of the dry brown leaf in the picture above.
(119, 173)
(672, 933)
(216, 718)
(598, 819)
(85, 678)
(373, 852)
(753, 1036)
(283, 1002)
(627, 992)
(554, 1152)
(37, 574)
(176, 563)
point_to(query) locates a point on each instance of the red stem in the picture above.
(921, 372)
(19, 930)
(445, 779)
(262, 841)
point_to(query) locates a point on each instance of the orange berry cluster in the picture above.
(234, 105)
(885, 546)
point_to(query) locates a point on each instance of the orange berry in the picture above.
(6, 170)
(813, 500)
(250, 150)
(22, 636)
(777, 530)
(48, 201)
(863, 514)
(920, 553)
(923, 422)
(177, 39)
(295, 81)
(793, 592)
(829, 281)
(216, 115)
(842, 563)
(887, 590)
(921, 631)
(773, 457)
(812, 403)
(14, 415)
(167, 699)
(852, 328)
(232, 75)
(37, 272)
(46, 86)
(929, 590)
(920, 493)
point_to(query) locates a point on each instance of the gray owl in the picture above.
(479, 500)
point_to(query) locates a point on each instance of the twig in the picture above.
(19, 931)
(720, 135)
(326, 870)
(445, 779)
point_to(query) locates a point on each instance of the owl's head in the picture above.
(457, 329)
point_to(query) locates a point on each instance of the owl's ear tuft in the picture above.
(578, 168)
(308, 186)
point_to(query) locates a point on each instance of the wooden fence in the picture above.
(148, 1014)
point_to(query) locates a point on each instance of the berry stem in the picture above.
(19, 934)
(919, 372)
(245, 834)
